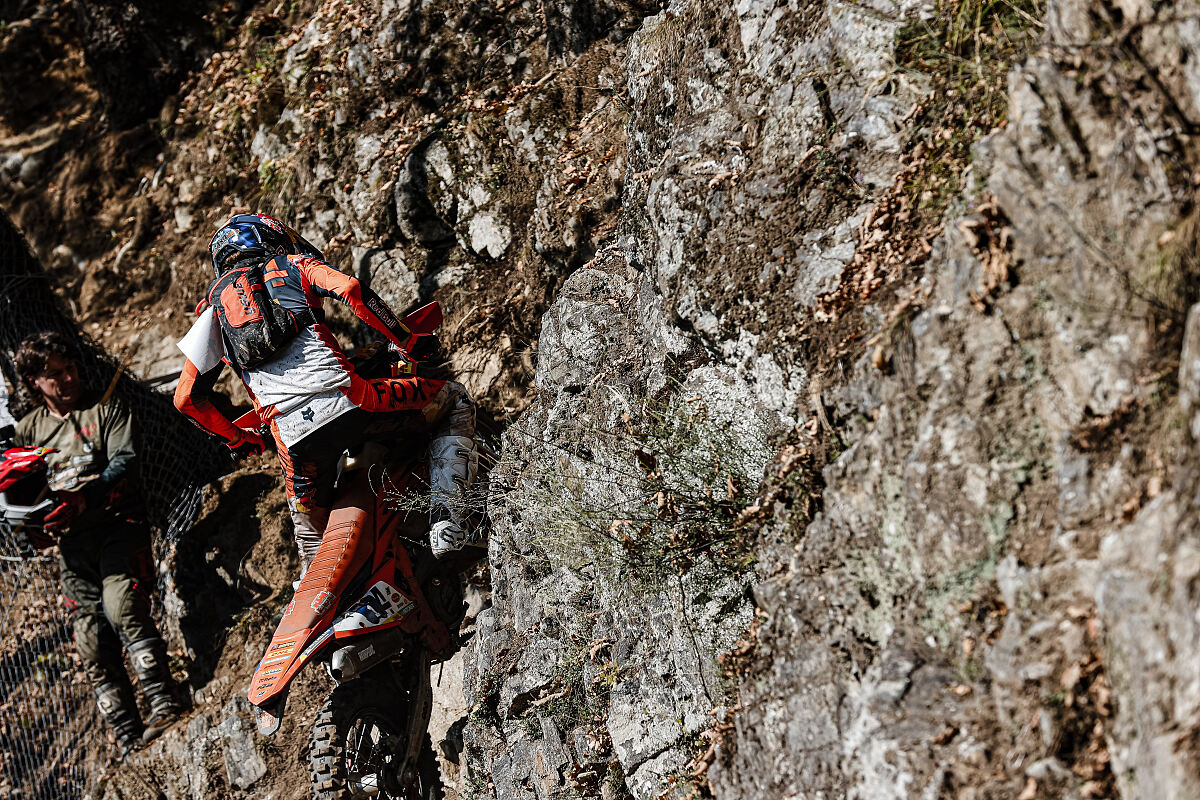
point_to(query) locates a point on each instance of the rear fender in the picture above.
(285, 656)
(307, 623)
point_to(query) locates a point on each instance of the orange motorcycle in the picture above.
(377, 609)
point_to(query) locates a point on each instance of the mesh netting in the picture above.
(47, 724)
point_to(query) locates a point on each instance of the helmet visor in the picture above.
(241, 237)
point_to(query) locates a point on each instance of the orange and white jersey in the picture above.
(310, 382)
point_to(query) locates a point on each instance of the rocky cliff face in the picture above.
(973, 315)
(842, 352)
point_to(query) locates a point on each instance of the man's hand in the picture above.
(426, 346)
(248, 444)
(70, 505)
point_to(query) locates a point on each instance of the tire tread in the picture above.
(326, 747)
(325, 755)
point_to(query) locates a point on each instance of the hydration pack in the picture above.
(255, 325)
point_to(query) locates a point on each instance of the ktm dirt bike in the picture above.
(377, 609)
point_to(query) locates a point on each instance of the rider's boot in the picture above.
(115, 701)
(453, 465)
(149, 657)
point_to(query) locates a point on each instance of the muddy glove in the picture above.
(426, 347)
(70, 505)
(248, 444)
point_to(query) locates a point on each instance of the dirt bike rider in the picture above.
(302, 384)
(105, 562)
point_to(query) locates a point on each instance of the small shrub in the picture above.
(646, 498)
(965, 49)
(1170, 282)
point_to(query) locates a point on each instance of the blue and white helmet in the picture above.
(255, 234)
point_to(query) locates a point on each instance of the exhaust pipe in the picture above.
(354, 659)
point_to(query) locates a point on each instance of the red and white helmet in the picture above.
(24, 494)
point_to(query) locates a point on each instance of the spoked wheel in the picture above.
(358, 742)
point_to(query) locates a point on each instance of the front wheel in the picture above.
(358, 740)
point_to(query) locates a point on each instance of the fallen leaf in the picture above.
(945, 736)
(1070, 677)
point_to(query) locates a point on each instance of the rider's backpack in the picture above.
(255, 325)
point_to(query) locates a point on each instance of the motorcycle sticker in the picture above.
(381, 605)
(280, 652)
(322, 601)
(320, 640)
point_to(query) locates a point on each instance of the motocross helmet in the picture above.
(255, 234)
(24, 495)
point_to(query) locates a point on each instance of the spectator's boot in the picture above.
(149, 657)
(115, 701)
(453, 465)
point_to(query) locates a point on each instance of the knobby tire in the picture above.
(346, 705)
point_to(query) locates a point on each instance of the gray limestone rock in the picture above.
(243, 764)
